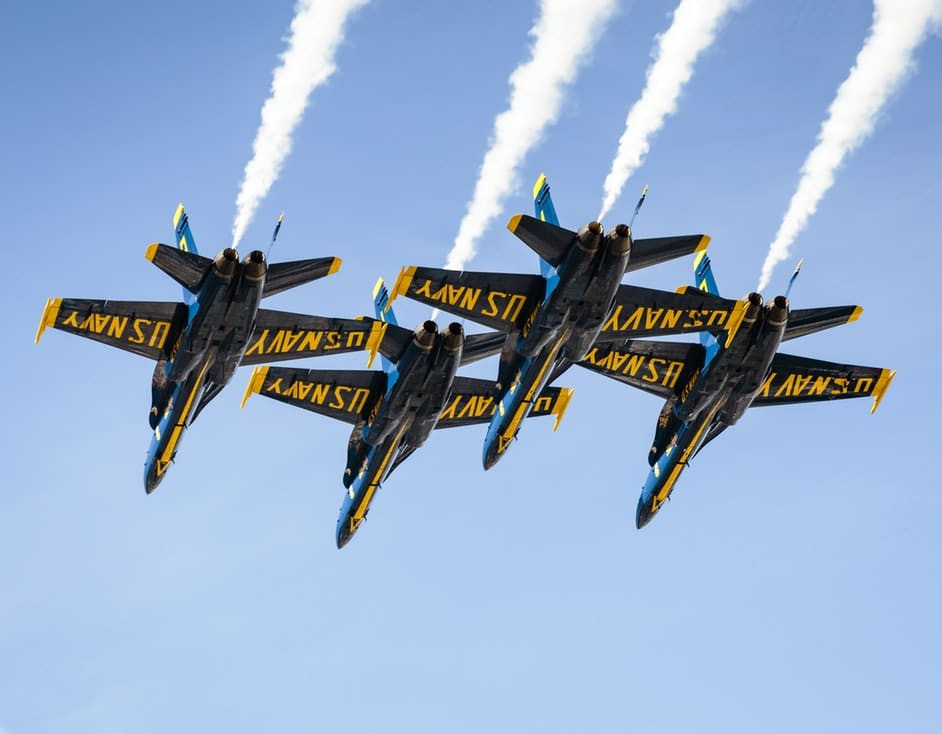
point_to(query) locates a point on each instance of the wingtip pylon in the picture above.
(886, 377)
(255, 383)
(373, 341)
(50, 314)
(562, 403)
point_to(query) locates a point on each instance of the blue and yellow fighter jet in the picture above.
(714, 382)
(393, 411)
(198, 344)
(577, 302)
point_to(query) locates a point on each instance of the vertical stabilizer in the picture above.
(545, 212)
(385, 313)
(185, 242)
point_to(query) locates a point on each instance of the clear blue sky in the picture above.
(791, 585)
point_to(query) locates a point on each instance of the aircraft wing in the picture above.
(653, 250)
(661, 368)
(794, 379)
(647, 312)
(803, 321)
(148, 328)
(282, 276)
(187, 268)
(346, 395)
(501, 301)
(280, 335)
(472, 401)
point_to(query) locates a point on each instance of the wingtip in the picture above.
(562, 403)
(50, 314)
(255, 383)
(335, 266)
(703, 243)
(856, 314)
(374, 340)
(403, 281)
(151, 252)
(886, 377)
(514, 222)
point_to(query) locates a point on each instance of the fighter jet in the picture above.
(731, 369)
(393, 411)
(198, 344)
(576, 303)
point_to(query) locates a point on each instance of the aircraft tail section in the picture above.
(385, 313)
(187, 268)
(802, 321)
(282, 276)
(704, 280)
(185, 243)
(545, 212)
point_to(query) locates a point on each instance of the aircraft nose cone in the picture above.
(643, 514)
(491, 455)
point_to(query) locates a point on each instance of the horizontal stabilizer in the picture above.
(802, 321)
(346, 395)
(148, 328)
(473, 401)
(641, 312)
(479, 346)
(653, 250)
(661, 368)
(282, 276)
(500, 301)
(794, 379)
(547, 240)
(280, 335)
(187, 268)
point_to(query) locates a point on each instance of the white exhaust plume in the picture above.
(316, 31)
(692, 30)
(563, 35)
(881, 66)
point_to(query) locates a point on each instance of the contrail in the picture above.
(563, 35)
(693, 29)
(881, 66)
(316, 31)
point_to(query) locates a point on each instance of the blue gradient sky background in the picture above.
(791, 584)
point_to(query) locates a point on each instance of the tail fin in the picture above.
(185, 242)
(545, 212)
(704, 280)
(385, 313)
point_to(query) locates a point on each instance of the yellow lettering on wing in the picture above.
(506, 306)
(797, 385)
(304, 341)
(650, 318)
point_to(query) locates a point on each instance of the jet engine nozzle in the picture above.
(424, 337)
(777, 312)
(590, 236)
(454, 338)
(619, 240)
(224, 264)
(752, 311)
(254, 267)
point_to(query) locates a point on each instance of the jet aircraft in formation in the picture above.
(198, 344)
(576, 311)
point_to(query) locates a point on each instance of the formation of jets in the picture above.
(576, 311)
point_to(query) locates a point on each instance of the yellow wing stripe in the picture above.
(50, 314)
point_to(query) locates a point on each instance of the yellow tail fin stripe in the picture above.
(378, 286)
(539, 185)
(177, 214)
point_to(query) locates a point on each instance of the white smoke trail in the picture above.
(881, 66)
(692, 30)
(563, 35)
(316, 31)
